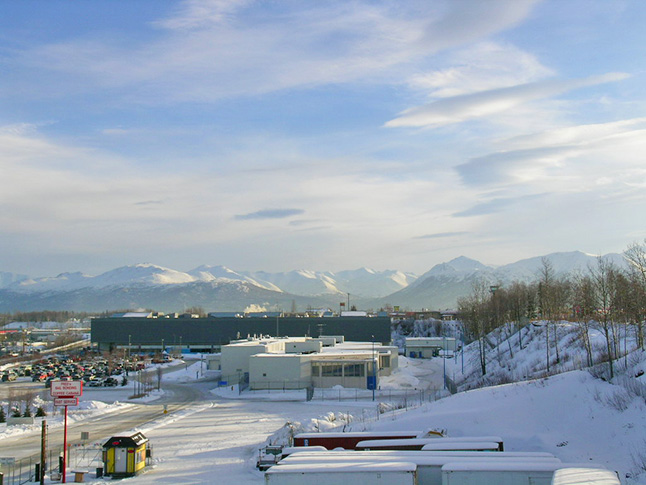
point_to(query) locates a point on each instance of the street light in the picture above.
(444, 358)
(374, 370)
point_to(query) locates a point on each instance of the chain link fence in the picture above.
(85, 457)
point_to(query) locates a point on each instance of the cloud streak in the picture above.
(541, 156)
(270, 214)
(466, 107)
(441, 235)
(213, 50)
(497, 205)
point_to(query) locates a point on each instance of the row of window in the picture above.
(338, 370)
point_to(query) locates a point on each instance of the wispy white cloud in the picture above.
(461, 108)
(270, 214)
(441, 235)
(580, 152)
(481, 67)
(497, 205)
(216, 49)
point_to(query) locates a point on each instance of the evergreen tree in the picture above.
(40, 412)
(15, 413)
(27, 413)
(3, 416)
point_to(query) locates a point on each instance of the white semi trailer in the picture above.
(429, 465)
(585, 476)
(356, 473)
(502, 472)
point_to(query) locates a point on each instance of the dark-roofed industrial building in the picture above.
(208, 334)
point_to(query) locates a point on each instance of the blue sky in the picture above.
(318, 134)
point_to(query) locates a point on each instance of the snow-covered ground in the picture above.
(575, 416)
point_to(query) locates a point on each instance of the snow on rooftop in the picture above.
(358, 466)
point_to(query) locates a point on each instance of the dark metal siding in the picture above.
(220, 331)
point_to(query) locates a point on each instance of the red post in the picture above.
(64, 446)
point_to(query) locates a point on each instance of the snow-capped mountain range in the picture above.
(220, 288)
(362, 282)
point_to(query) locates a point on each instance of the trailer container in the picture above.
(502, 472)
(434, 444)
(350, 439)
(585, 476)
(385, 454)
(429, 466)
(290, 450)
(460, 439)
(357, 473)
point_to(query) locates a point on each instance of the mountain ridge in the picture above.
(139, 286)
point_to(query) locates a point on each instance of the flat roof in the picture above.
(419, 458)
(509, 465)
(359, 466)
(500, 455)
(353, 434)
(584, 476)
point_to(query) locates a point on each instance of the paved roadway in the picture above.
(176, 397)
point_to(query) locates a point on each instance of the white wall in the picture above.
(279, 371)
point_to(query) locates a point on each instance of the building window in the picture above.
(332, 370)
(354, 370)
(385, 361)
(316, 370)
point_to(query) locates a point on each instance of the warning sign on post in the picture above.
(66, 388)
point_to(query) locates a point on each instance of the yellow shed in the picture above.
(125, 456)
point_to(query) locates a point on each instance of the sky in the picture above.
(318, 135)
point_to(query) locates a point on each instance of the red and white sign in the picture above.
(66, 401)
(66, 388)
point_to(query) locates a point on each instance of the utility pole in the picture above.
(43, 453)
(444, 358)
(374, 370)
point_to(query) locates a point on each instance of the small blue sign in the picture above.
(372, 383)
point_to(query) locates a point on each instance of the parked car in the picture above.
(8, 376)
(110, 382)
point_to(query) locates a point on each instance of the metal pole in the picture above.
(444, 358)
(462, 333)
(43, 452)
(64, 446)
(374, 371)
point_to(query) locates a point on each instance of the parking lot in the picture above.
(95, 372)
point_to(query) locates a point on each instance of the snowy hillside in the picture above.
(576, 416)
(223, 274)
(146, 284)
(367, 282)
(441, 287)
(300, 282)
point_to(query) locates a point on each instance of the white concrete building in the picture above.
(276, 371)
(296, 363)
(428, 347)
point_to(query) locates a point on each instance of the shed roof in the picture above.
(126, 441)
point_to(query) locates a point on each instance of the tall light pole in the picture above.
(444, 358)
(374, 368)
